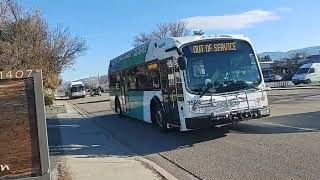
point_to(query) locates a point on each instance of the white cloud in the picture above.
(284, 9)
(231, 22)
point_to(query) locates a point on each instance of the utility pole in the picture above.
(98, 80)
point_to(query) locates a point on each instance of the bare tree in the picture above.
(26, 42)
(142, 38)
(163, 30)
(298, 55)
(64, 49)
(3, 10)
(178, 29)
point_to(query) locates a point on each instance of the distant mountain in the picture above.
(94, 80)
(276, 56)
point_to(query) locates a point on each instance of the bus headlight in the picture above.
(196, 109)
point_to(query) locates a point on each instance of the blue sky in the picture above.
(110, 26)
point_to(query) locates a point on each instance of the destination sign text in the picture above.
(214, 47)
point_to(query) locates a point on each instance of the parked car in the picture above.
(272, 77)
(307, 73)
(95, 92)
(288, 77)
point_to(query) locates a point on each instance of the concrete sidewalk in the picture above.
(89, 152)
(96, 168)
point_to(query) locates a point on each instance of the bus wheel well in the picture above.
(155, 102)
(116, 99)
(116, 104)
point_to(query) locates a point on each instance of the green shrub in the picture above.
(48, 99)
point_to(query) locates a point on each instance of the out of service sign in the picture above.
(23, 135)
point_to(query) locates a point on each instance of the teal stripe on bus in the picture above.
(136, 105)
(132, 61)
(128, 62)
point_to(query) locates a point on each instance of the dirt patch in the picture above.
(60, 169)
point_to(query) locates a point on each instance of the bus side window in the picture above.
(115, 81)
(153, 75)
(140, 77)
(132, 80)
(147, 79)
(155, 80)
(171, 79)
(112, 81)
(178, 78)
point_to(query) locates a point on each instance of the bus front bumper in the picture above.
(226, 118)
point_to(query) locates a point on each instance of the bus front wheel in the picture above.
(157, 116)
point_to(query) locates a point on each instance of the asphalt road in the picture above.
(283, 146)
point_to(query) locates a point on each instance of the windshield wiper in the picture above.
(204, 89)
(228, 86)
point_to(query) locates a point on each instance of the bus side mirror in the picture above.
(182, 63)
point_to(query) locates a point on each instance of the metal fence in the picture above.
(279, 84)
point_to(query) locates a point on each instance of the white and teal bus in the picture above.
(189, 82)
(76, 90)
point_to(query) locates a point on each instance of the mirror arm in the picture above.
(176, 49)
(181, 56)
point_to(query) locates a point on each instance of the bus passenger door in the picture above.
(170, 83)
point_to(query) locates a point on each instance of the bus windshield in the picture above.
(77, 89)
(221, 66)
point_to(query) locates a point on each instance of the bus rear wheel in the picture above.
(118, 106)
(157, 116)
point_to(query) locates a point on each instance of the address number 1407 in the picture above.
(15, 74)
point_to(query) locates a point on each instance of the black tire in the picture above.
(117, 107)
(296, 83)
(308, 81)
(158, 118)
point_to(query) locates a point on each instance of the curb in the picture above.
(157, 168)
(141, 159)
(80, 111)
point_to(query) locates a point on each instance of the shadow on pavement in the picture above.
(91, 102)
(295, 95)
(100, 136)
(80, 136)
(295, 123)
